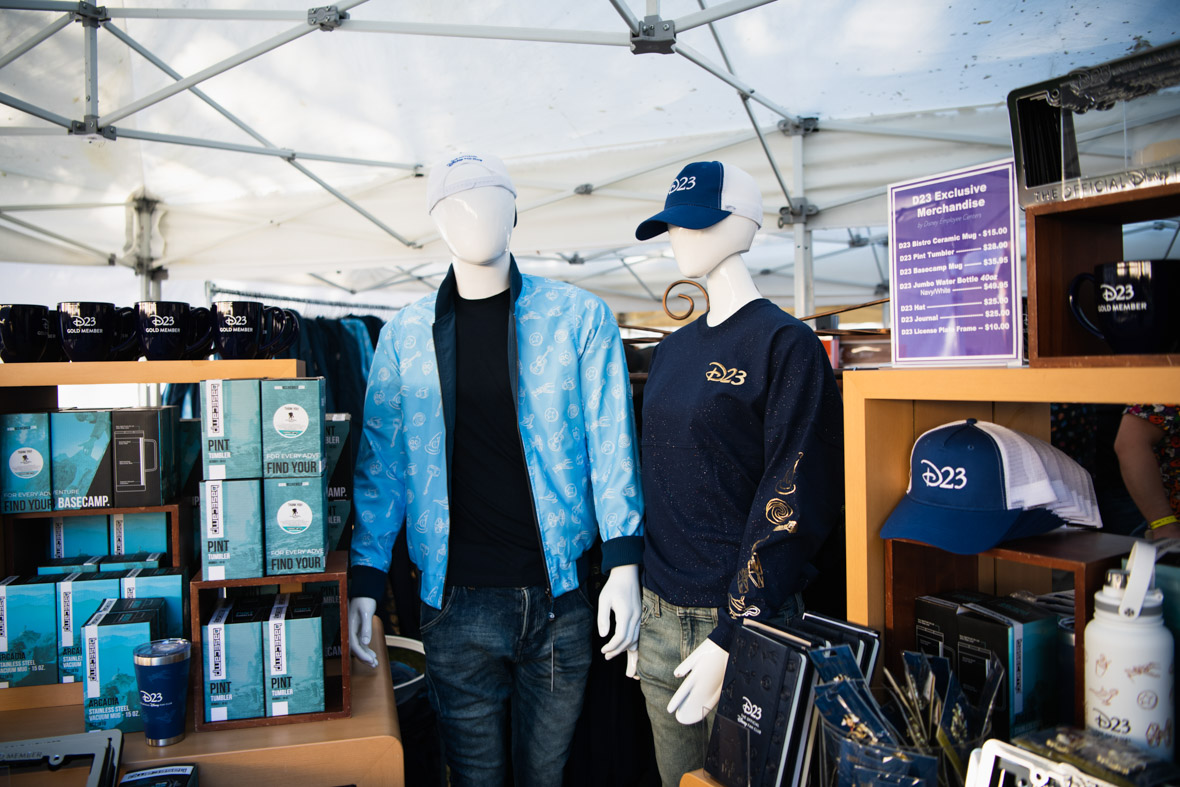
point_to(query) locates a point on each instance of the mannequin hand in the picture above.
(702, 671)
(620, 596)
(632, 662)
(360, 628)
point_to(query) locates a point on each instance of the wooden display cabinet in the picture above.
(886, 410)
(204, 594)
(29, 387)
(1071, 237)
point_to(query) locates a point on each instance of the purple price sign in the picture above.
(953, 276)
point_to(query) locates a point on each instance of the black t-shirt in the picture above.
(494, 540)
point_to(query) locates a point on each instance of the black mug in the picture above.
(53, 349)
(95, 331)
(247, 329)
(1137, 304)
(174, 331)
(24, 332)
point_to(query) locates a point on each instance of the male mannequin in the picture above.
(510, 394)
(743, 399)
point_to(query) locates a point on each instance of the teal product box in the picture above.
(25, 451)
(84, 535)
(165, 583)
(141, 560)
(234, 672)
(296, 534)
(145, 531)
(1024, 639)
(68, 565)
(231, 523)
(28, 631)
(294, 658)
(144, 462)
(328, 594)
(293, 416)
(81, 466)
(78, 597)
(338, 451)
(109, 637)
(339, 513)
(231, 436)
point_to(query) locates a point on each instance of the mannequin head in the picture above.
(473, 204)
(699, 252)
(711, 214)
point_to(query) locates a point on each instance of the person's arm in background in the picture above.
(1139, 466)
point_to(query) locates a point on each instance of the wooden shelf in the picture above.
(111, 372)
(364, 749)
(1071, 237)
(913, 569)
(19, 541)
(337, 683)
(886, 410)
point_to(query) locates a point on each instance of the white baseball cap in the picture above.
(465, 171)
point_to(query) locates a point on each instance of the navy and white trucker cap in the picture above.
(972, 486)
(462, 172)
(704, 193)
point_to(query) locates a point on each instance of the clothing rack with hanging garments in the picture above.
(213, 290)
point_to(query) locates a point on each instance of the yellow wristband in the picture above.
(1167, 520)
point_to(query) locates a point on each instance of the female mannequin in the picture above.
(742, 464)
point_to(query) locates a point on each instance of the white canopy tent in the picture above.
(265, 148)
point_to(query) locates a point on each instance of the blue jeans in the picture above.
(507, 671)
(667, 635)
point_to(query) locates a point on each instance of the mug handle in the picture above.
(129, 316)
(199, 349)
(284, 337)
(1075, 303)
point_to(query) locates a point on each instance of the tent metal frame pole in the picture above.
(804, 263)
(148, 55)
(535, 34)
(217, 68)
(228, 15)
(269, 148)
(628, 17)
(106, 257)
(90, 71)
(690, 54)
(714, 13)
(32, 41)
(750, 114)
(941, 136)
(274, 152)
(35, 111)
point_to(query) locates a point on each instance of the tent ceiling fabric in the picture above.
(899, 91)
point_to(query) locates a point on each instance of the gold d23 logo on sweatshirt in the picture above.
(717, 373)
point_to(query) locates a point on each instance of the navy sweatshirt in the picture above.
(743, 463)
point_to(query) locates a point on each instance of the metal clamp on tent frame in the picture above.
(797, 212)
(327, 17)
(655, 35)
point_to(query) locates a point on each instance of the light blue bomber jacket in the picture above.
(575, 417)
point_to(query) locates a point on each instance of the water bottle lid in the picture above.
(1110, 598)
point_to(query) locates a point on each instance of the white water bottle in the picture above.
(1130, 658)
